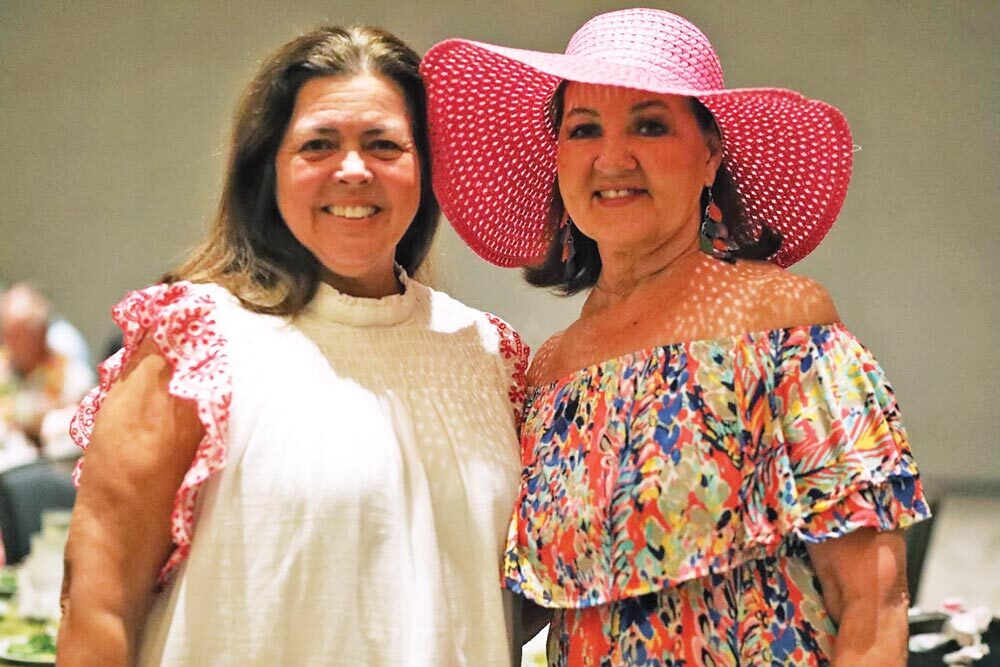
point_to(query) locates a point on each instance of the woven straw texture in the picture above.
(494, 147)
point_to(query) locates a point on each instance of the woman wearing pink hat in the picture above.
(714, 468)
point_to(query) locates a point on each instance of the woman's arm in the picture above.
(142, 444)
(863, 575)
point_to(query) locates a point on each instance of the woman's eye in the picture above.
(650, 128)
(584, 131)
(384, 147)
(315, 145)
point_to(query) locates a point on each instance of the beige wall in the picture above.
(114, 122)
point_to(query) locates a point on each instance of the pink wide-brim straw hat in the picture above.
(493, 143)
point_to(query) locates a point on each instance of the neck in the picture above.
(623, 271)
(375, 286)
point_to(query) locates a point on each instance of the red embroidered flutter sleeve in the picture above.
(515, 355)
(180, 318)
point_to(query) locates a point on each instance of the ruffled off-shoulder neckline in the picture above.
(642, 355)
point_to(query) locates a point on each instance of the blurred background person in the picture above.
(62, 336)
(39, 385)
(66, 339)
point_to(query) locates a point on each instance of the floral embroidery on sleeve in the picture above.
(180, 317)
(515, 354)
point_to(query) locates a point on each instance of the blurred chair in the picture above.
(918, 538)
(25, 492)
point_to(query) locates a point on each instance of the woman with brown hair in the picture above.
(309, 455)
(714, 467)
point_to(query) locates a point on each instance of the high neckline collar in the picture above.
(331, 305)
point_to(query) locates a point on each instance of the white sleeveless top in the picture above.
(349, 503)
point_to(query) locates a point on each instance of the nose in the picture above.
(353, 170)
(614, 158)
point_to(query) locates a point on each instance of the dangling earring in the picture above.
(568, 246)
(715, 239)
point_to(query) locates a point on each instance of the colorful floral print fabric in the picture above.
(667, 496)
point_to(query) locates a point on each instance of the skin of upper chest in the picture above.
(712, 300)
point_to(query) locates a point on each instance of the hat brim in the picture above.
(494, 147)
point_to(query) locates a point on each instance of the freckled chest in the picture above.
(694, 305)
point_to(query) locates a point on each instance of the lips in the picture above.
(351, 212)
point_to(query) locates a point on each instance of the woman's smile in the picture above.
(632, 165)
(355, 212)
(348, 176)
(619, 197)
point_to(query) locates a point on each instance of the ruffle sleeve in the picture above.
(181, 319)
(849, 453)
(515, 354)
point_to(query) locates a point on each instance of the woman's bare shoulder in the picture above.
(716, 300)
(544, 363)
(719, 300)
(141, 407)
(777, 298)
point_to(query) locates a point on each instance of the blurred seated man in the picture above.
(66, 339)
(38, 385)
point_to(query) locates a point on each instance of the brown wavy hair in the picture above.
(249, 249)
(554, 273)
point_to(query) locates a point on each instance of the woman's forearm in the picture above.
(91, 638)
(871, 634)
(863, 578)
(99, 611)
(142, 444)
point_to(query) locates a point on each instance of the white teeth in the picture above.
(615, 194)
(355, 212)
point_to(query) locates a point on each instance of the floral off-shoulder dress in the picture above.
(667, 497)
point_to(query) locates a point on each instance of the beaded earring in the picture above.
(568, 246)
(715, 239)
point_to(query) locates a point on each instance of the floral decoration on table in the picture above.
(965, 627)
(8, 581)
(39, 648)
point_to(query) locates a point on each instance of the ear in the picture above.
(714, 143)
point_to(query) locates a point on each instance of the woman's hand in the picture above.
(863, 576)
(142, 445)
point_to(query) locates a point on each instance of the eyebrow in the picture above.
(649, 104)
(332, 131)
(637, 108)
(581, 111)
